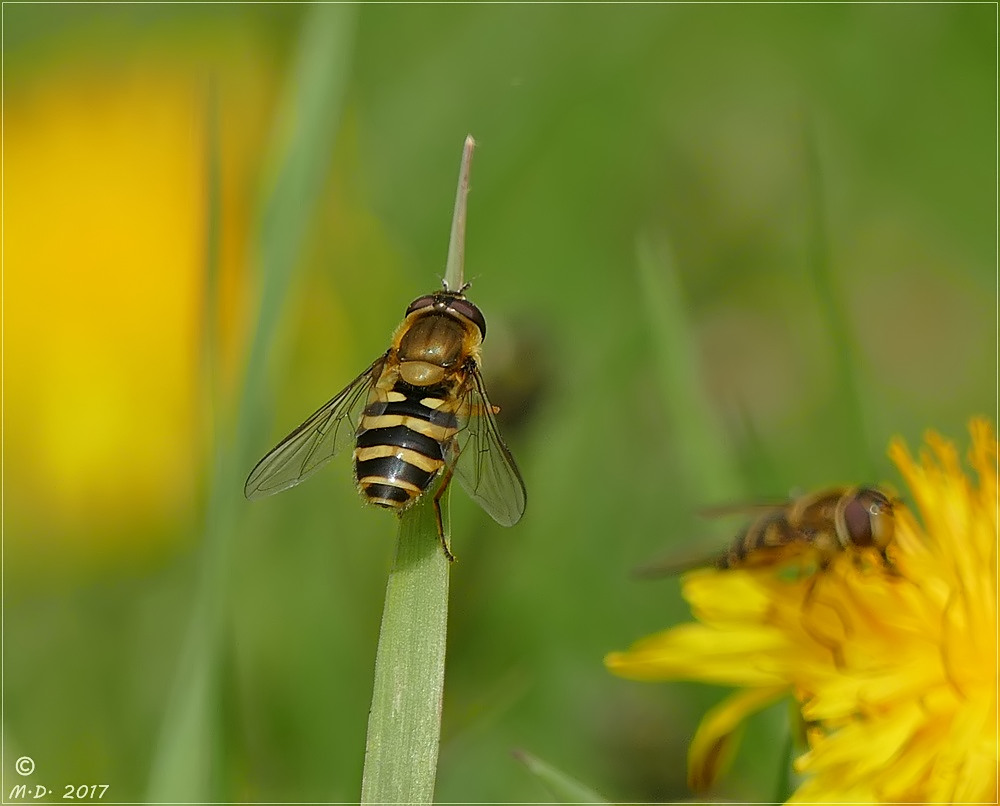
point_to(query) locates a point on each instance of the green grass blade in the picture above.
(695, 434)
(562, 787)
(454, 274)
(404, 726)
(210, 302)
(188, 753)
(303, 146)
(850, 403)
(784, 785)
(182, 764)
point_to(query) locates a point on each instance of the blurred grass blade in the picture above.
(210, 300)
(695, 434)
(563, 788)
(845, 352)
(785, 784)
(188, 755)
(182, 764)
(404, 725)
(303, 145)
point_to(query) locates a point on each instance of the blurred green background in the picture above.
(724, 251)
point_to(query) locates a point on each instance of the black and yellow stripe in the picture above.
(762, 539)
(401, 444)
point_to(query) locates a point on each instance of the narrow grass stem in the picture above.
(783, 785)
(454, 275)
(562, 787)
(404, 725)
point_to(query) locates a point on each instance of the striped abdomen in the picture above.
(761, 542)
(401, 445)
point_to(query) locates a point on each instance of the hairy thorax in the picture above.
(429, 349)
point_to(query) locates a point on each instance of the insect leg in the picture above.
(477, 409)
(888, 564)
(825, 641)
(437, 510)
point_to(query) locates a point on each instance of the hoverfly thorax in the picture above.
(439, 333)
(429, 346)
(865, 519)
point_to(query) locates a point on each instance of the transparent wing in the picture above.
(754, 508)
(679, 560)
(767, 541)
(703, 553)
(483, 465)
(315, 442)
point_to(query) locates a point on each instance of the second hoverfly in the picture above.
(819, 525)
(418, 413)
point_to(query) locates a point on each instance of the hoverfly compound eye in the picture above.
(470, 312)
(883, 524)
(878, 503)
(420, 302)
(857, 517)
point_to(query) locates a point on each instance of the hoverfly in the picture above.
(824, 524)
(419, 412)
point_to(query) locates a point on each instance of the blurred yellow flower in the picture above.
(895, 676)
(105, 247)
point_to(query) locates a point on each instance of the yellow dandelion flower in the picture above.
(105, 211)
(895, 674)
